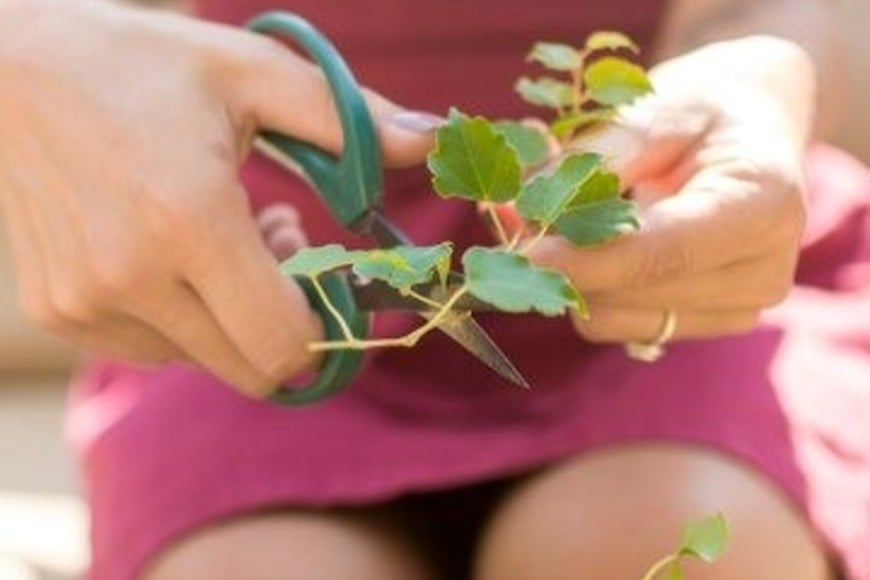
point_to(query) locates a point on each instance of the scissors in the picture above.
(351, 184)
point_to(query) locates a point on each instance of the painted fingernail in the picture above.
(418, 121)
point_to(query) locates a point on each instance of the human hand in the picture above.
(714, 161)
(119, 183)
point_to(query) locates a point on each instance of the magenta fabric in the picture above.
(167, 451)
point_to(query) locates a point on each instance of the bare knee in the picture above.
(290, 546)
(612, 514)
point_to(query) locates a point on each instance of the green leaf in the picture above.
(601, 185)
(511, 283)
(545, 198)
(405, 266)
(567, 125)
(616, 81)
(530, 143)
(608, 40)
(545, 92)
(556, 56)
(314, 261)
(473, 160)
(598, 222)
(706, 540)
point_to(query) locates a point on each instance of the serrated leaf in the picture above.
(473, 160)
(706, 540)
(511, 283)
(564, 126)
(314, 261)
(404, 266)
(598, 222)
(616, 81)
(599, 186)
(530, 143)
(545, 92)
(547, 197)
(556, 56)
(609, 40)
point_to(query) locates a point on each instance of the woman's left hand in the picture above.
(714, 159)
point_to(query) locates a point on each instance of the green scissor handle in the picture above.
(351, 184)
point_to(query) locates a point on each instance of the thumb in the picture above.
(288, 94)
(648, 142)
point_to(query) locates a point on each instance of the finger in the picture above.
(180, 315)
(278, 216)
(25, 250)
(265, 315)
(125, 338)
(648, 139)
(726, 214)
(285, 242)
(286, 93)
(756, 283)
(616, 325)
(281, 230)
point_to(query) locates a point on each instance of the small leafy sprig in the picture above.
(508, 163)
(705, 541)
(595, 80)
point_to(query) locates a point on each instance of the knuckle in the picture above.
(76, 303)
(743, 322)
(42, 312)
(777, 292)
(781, 280)
(658, 262)
(114, 274)
(785, 216)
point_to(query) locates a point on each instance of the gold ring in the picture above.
(654, 349)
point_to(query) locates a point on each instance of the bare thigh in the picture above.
(336, 545)
(611, 514)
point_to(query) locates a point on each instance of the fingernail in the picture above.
(418, 121)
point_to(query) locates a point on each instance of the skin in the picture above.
(714, 160)
(130, 258)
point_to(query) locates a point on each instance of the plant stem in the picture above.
(533, 242)
(499, 227)
(438, 317)
(577, 93)
(660, 566)
(515, 241)
(345, 329)
(407, 341)
(425, 299)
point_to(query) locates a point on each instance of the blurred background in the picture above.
(43, 523)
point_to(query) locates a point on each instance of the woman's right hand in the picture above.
(122, 134)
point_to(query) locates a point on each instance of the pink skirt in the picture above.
(167, 451)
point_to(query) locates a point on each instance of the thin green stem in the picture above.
(499, 227)
(345, 329)
(577, 92)
(425, 299)
(515, 241)
(527, 247)
(438, 318)
(660, 566)
(407, 341)
(356, 344)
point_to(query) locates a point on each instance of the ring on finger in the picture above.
(654, 349)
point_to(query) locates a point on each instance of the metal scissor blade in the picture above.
(465, 331)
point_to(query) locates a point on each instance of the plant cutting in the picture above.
(509, 164)
(705, 541)
(527, 169)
